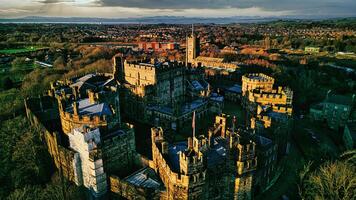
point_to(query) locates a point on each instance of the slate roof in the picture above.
(96, 109)
(235, 89)
(173, 155)
(339, 99)
(145, 177)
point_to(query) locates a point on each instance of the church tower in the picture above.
(192, 50)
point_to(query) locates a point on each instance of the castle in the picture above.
(164, 93)
(81, 123)
(219, 166)
(269, 110)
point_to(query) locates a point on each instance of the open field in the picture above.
(20, 50)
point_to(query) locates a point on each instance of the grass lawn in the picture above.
(10, 101)
(235, 109)
(20, 50)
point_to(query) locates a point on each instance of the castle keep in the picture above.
(165, 93)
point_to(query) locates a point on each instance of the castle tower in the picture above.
(244, 163)
(192, 50)
(192, 166)
(118, 68)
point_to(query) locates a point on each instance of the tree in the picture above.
(7, 83)
(333, 180)
(59, 63)
(18, 63)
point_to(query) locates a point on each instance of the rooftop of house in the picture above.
(339, 99)
(85, 107)
(216, 97)
(145, 177)
(92, 81)
(235, 89)
(186, 108)
(259, 77)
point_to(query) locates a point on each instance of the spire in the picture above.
(193, 124)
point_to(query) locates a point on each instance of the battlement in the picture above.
(70, 121)
(258, 78)
(282, 109)
(157, 66)
(190, 157)
(157, 134)
(256, 81)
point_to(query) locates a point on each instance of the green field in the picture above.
(20, 50)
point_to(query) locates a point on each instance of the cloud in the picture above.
(202, 8)
(55, 1)
(270, 5)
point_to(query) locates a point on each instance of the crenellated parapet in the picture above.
(70, 121)
(188, 182)
(256, 81)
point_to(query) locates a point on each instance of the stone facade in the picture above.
(164, 93)
(220, 166)
(209, 63)
(336, 110)
(89, 170)
(256, 81)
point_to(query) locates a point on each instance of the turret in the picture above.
(75, 108)
(92, 97)
(118, 67)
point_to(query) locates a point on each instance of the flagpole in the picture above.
(193, 124)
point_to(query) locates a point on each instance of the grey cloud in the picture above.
(346, 6)
(54, 1)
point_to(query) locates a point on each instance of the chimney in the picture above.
(75, 108)
(164, 147)
(75, 92)
(210, 137)
(190, 143)
(91, 96)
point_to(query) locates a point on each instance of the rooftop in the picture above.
(339, 99)
(145, 177)
(259, 77)
(235, 88)
(173, 155)
(86, 108)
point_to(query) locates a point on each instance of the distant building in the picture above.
(312, 49)
(193, 58)
(228, 50)
(335, 110)
(158, 46)
(193, 48)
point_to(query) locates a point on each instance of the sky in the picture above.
(187, 8)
